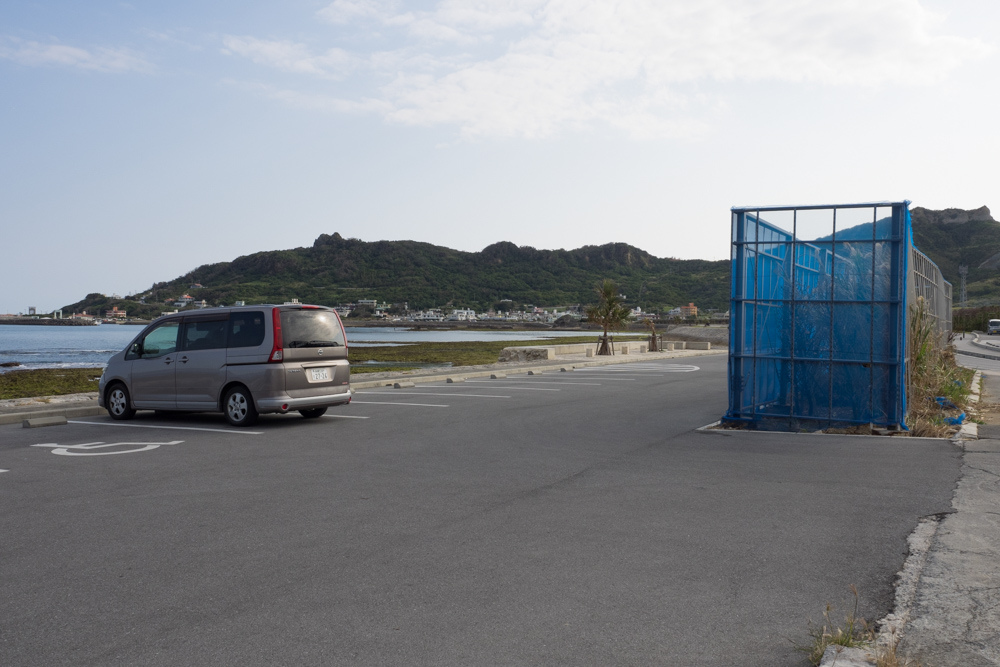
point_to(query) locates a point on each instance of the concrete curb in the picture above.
(986, 345)
(87, 407)
(569, 364)
(978, 354)
(77, 411)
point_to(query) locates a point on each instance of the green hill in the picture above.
(954, 237)
(337, 270)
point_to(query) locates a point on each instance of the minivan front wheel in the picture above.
(239, 408)
(119, 403)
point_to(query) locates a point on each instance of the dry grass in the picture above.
(933, 372)
(855, 633)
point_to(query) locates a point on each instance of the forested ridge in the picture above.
(337, 270)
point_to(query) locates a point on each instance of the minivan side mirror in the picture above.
(134, 350)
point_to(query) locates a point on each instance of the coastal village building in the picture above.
(115, 314)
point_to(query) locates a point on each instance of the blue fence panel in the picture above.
(818, 314)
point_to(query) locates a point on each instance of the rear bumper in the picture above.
(289, 404)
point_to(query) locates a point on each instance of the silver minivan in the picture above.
(241, 361)
(993, 327)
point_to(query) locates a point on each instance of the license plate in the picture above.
(320, 374)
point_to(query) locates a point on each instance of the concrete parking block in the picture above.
(38, 422)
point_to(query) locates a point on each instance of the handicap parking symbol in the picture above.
(91, 448)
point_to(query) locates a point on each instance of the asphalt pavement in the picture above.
(561, 518)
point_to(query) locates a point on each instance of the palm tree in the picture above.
(610, 312)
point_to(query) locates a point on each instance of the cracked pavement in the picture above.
(955, 619)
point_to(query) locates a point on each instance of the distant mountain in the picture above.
(954, 237)
(338, 270)
(951, 238)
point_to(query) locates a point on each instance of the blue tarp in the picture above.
(818, 315)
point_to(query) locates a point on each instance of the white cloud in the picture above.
(315, 102)
(345, 11)
(535, 67)
(290, 56)
(100, 59)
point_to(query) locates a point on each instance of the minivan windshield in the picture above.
(311, 328)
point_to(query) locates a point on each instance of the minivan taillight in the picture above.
(277, 351)
(341, 323)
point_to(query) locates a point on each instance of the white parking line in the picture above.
(630, 369)
(346, 417)
(419, 405)
(589, 384)
(510, 387)
(426, 393)
(603, 377)
(171, 428)
(4, 471)
(664, 368)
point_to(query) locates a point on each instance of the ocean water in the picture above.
(63, 347)
(91, 347)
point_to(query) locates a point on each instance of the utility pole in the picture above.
(963, 271)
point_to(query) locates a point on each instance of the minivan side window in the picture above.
(160, 341)
(204, 334)
(246, 329)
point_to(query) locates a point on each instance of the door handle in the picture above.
(183, 360)
(168, 361)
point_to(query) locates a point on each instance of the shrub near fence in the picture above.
(974, 319)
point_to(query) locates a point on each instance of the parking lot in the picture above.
(573, 518)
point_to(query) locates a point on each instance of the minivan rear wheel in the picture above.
(313, 413)
(119, 402)
(239, 408)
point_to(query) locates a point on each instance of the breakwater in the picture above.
(45, 322)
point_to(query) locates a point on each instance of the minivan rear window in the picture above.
(311, 328)
(246, 329)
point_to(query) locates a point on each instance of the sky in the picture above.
(140, 140)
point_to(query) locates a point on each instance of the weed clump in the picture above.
(937, 387)
(855, 633)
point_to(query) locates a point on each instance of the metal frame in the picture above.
(767, 375)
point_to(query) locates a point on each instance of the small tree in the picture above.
(610, 312)
(654, 342)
